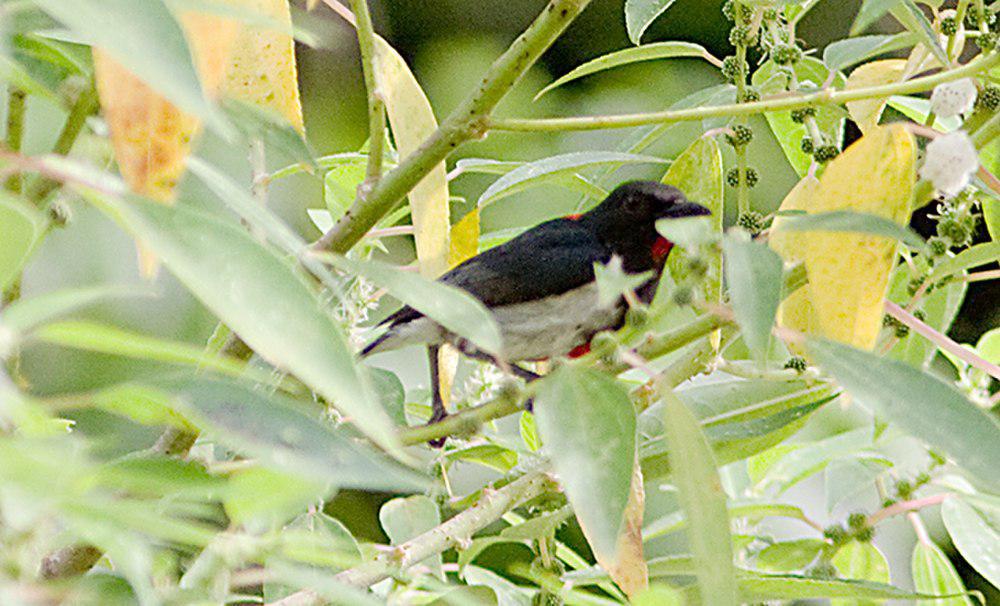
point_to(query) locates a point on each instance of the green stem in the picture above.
(987, 132)
(376, 106)
(85, 105)
(959, 19)
(820, 97)
(466, 123)
(16, 108)
(742, 189)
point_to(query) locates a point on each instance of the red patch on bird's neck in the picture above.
(579, 351)
(574, 217)
(661, 248)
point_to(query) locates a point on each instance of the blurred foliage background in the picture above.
(449, 43)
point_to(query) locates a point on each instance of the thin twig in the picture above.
(906, 506)
(376, 105)
(85, 105)
(941, 340)
(16, 109)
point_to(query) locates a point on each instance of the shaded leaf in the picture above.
(860, 561)
(788, 556)
(976, 539)
(974, 256)
(22, 228)
(640, 14)
(704, 502)
(406, 518)
(849, 51)
(755, 586)
(754, 276)
(587, 424)
(934, 574)
(25, 314)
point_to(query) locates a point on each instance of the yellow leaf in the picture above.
(412, 121)
(262, 69)
(628, 567)
(866, 113)
(464, 238)
(849, 272)
(796, 311)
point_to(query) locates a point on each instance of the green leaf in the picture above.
(340, 187)
(790, 464)
(917, 109)
(988, 345)
(538, 527)
(144, 37)
(263, 124)
(24, 315)
(640, 14)
(260, 297)
(975, 255)
(646, 52)
(788, 556)
(529, 432)
(753, 272)
(555, 167)
(845, 479)
(156, 476)
(22, 227)
(857, 222)
(451, 307)
(144, 404)
(261, 499)
(771, 79)
(934, 574)
(870, 12)
(976, 539)
(991, 214)
(920, 404)
(111, 340)
(940, 308)
(279, 433)
(704, 502)
(587, 424)
(913, 19)
(860, 561)
(756, 586)
(493, 456)
(849, 51)
(405, 518)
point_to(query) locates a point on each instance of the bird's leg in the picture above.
(438, 413)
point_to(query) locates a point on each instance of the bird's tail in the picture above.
(376, 345)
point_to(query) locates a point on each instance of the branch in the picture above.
(376, 106)
(16, 106)
(85, 105)
(820, 97)
(466, 123)
(492, 505)
(905, 507)
(941, 340)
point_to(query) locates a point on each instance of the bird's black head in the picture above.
(627, 217)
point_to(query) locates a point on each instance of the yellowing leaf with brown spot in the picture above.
(150, 135)
(866, 113)
(796, 311)
(628, 568)
(262, 69)
(849, 272)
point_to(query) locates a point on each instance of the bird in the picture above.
(541, 286)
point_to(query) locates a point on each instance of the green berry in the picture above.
(938, 247)
(989, 99)
(741, 135)
(734, 71)
(904, 490)
(865, 535)
(902, 330)
(683, 295)
(949, 26)
(956, 231)
(888, 502)
(729, 11)
(837, 534)
(733, 177)
(825, 153)
(751, 221)
(603, 343)
(796, 363)
(856, 521)
(799, 115)
(987, 41)
(972, 17)
(914, 285)
(786, 54)
(749, 95)
(743, 35)
(807, 145)
(752, 177)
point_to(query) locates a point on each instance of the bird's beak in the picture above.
(685, 209)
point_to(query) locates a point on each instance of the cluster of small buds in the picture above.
(825, 153)
(821, 570)
(729, 11)
(949, 26)
(796, 363)
(752, 221)
(957, 220)
(799, 115)
(989, 98)
(749, 95)
(733, 71)
(860, 530)
(807, 145)
(739, 135)
(743, 35)
(733, 177)
(987, 41)
(937, 246)
(900, 330)
(786, 54)
(973, 18)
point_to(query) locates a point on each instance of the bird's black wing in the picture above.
(549, 259)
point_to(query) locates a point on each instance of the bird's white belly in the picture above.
(553, 326)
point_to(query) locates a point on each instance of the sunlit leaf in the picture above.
(934, 574)
(704, 502)
(849, 51)
(755, 586)
(849, 273)
(405, 518)
(587, 424)
(974, 256)
(646, 52)
(920, 404)
(913, 19)
(789, 556)
(866, 112)
(860, 561)
(940, 307)
(640, 14)
(22, 227)
(260, 297)
(976, 539)
(796, 310)
(261, 69)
